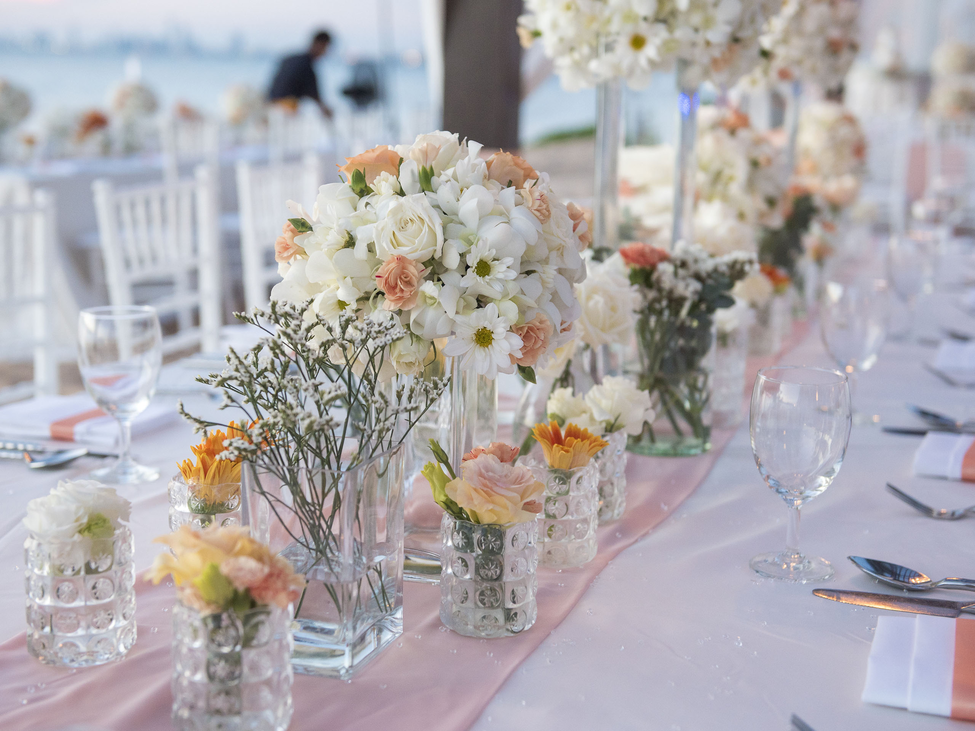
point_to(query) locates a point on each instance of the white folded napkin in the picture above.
(74, 418)
(924, 664)
(955, 355)
(948, 456)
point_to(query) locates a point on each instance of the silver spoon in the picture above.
(905, 578)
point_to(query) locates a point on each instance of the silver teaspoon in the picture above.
(905, 578)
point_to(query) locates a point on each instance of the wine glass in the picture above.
(800, 424)
(910, 271)
(119, 355)
(853, 323)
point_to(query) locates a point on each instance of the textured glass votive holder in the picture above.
(488, 581)
(567, 525)
(611, 463)
(200, 505)
(80, 599)
(232, 671)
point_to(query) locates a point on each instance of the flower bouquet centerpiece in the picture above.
(474, 258)
(680, 292)
(15, 106)
(767, 292)
(133, 106)
(567, 534)
(489, 535)
(79, 576)
(207, 490)
(324, 479)
(612, 410)
(231, 632)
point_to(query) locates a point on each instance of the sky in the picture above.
(277, 25)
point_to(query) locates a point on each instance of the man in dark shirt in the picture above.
(295, 78)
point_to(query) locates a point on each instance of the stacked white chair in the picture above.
(160, 245)
(27, 330)
(262, 192)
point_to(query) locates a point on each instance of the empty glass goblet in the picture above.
(910, 271)
(119, 355)
(800, 425)
(853, 322)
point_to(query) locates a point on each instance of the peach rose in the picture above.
(507, 168)
(399, 279)
(537, 203)
(735, 120)
(496, 492)
(381, 159)
(535, 336)
(581, 224)
(500, 450)
(643, 256)
(285, 248)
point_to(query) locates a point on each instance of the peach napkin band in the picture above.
(63, 429)
(968, 465)
(963, 686)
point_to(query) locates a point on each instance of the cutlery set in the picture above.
(39, 456)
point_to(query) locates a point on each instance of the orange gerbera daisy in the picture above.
(565, 451)
(208, 470)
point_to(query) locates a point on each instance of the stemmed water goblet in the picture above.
(800, 424)
(853, 323)
(910, 271)
(119, 355)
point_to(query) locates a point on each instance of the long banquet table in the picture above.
(675, 633)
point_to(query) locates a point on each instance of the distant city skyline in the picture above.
(217, 24)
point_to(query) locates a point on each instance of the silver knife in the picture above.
(920, 431)
(937, 607)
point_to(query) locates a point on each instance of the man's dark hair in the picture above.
(322, 37)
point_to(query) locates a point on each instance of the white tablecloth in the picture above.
(677, 633)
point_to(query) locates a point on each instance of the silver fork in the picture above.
(927, 510)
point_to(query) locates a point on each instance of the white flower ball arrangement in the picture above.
(242, 103)
(594, 40)
(133, 100)
(832, 151)
(479, 252)
(953, 58)
(14, 105)
(813, 41)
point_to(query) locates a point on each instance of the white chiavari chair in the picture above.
(189, 142)
(292, 134)
(160, 245)
(262, 192)
(27, 304)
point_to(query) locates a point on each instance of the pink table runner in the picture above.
(431, 679)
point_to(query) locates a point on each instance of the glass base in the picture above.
(318, 652)
(669, 445)
(795, 568)
(125, 472)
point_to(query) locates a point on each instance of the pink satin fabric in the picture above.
(429, 680)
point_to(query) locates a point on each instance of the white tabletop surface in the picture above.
(677, 633)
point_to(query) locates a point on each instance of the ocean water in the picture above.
(79, 81)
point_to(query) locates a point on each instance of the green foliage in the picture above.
(301, 225)
(426, 179)
(783, 246)
(527, 373)
(358, 183)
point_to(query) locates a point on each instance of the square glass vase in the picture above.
(232, 670)
(342, 529)
(611, 463)
(570, 514)
(203, 505)
(488, 581)
(80, 599)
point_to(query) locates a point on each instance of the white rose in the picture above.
(438, 150)
(52, 518)
(551, 366)
(608, 304)
(755, 289)
(618, 404)
(409, 355)
(408, 226)
(94, 497)
(565, 405)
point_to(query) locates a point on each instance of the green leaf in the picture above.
(441, 456)
(358, 183)
(214, 587)
(426, 178)
(301, 225)
(242, 602)
(438, 484)
(527, 373)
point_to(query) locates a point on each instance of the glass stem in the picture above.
(125, 430)
(686, 166)
(792, 534)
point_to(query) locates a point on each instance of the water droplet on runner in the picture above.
(664, 506)
(738, 642)
(382, 686)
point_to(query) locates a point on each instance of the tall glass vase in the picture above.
(609, 126)
(794, 98)
(344, 531)
(685, 168)
(471, 417)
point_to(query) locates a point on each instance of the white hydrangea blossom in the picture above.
(14, 105)
(133, 100)
(595, 40)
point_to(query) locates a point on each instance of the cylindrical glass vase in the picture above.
(728, 385)
(472, 414)
(685, 168)
(567, 525)
(611, 463)
(488, 582)
(765, 337)
(609, 125)
(201, 505)
(230, 670)
(344, 531)
(80, 599)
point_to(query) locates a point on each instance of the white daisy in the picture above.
(484, 342)
(486, 272)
